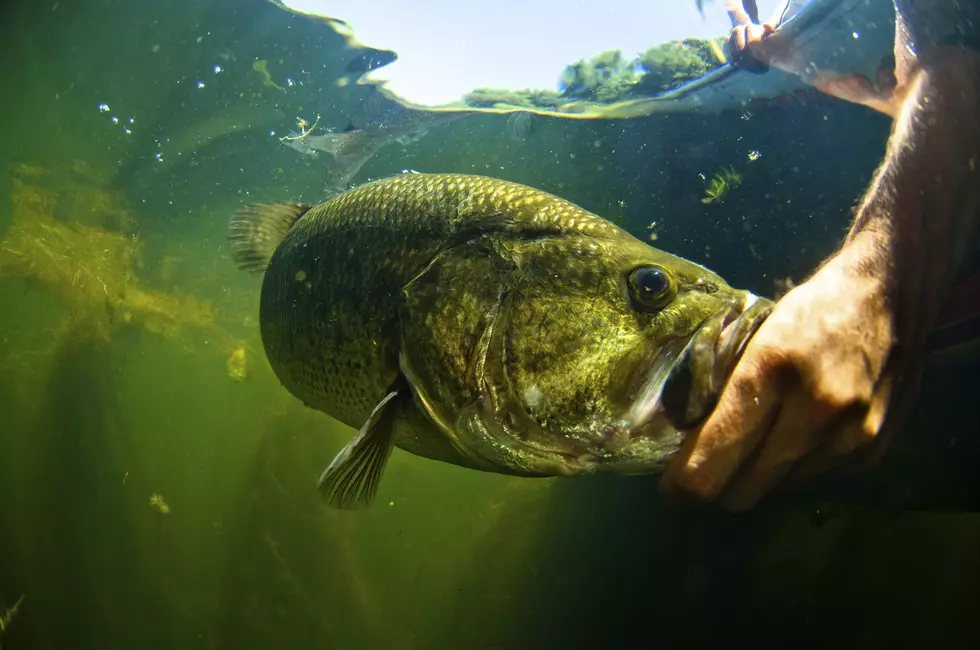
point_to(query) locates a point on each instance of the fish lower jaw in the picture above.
(634, 462)
(632, 453)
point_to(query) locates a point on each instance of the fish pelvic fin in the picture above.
(351, 480)
(255, 231)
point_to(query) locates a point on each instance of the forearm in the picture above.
(921, 212)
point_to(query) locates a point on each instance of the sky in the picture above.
(447, 48)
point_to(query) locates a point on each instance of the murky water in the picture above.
(157, 484)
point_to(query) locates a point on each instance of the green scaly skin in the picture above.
(506, 308)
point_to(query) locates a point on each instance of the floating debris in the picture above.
(158, 504)
(782, 286)
(8, 616)
(305, 128)
(652, 229)
(237, 365)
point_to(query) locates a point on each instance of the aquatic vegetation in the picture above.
(261, 67)
(91, 270)
(8, 616)
(237, 363)
(158, 504)
(721, 184)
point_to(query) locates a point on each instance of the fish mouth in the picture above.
(686, 390)
(695, 382)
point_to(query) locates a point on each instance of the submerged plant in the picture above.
(158, 504)
(720, 184)
(60, 242)
(8, 616)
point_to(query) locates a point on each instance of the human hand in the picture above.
(747, 46)
(928, 35)
(811, 389)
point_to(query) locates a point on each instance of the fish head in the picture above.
(593, 354)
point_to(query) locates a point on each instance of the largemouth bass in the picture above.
(486, 324)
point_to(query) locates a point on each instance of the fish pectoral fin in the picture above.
(255, 231)
(351, 480)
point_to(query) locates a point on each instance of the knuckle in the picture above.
(772, 356)
(834, 398)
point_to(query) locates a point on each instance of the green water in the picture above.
(103, 405)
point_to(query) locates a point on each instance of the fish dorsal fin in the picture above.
(351, 480)
(255, 231)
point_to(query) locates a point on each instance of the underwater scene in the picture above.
(298, 351)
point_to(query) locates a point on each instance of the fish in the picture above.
(486, 324)
(379, 121)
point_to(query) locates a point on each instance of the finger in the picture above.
(898, 410)
(741, 38)
(756, 41)
(793, 435)
(749, 53)
(670, 488)
(736, 42)
(746, 408)
(854, 434)
(847, 438)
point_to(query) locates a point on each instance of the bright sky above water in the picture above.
(447, 48)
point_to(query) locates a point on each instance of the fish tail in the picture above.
(255, 231)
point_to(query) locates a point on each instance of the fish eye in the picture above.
(651, 286)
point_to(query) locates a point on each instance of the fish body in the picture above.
(486, 324)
